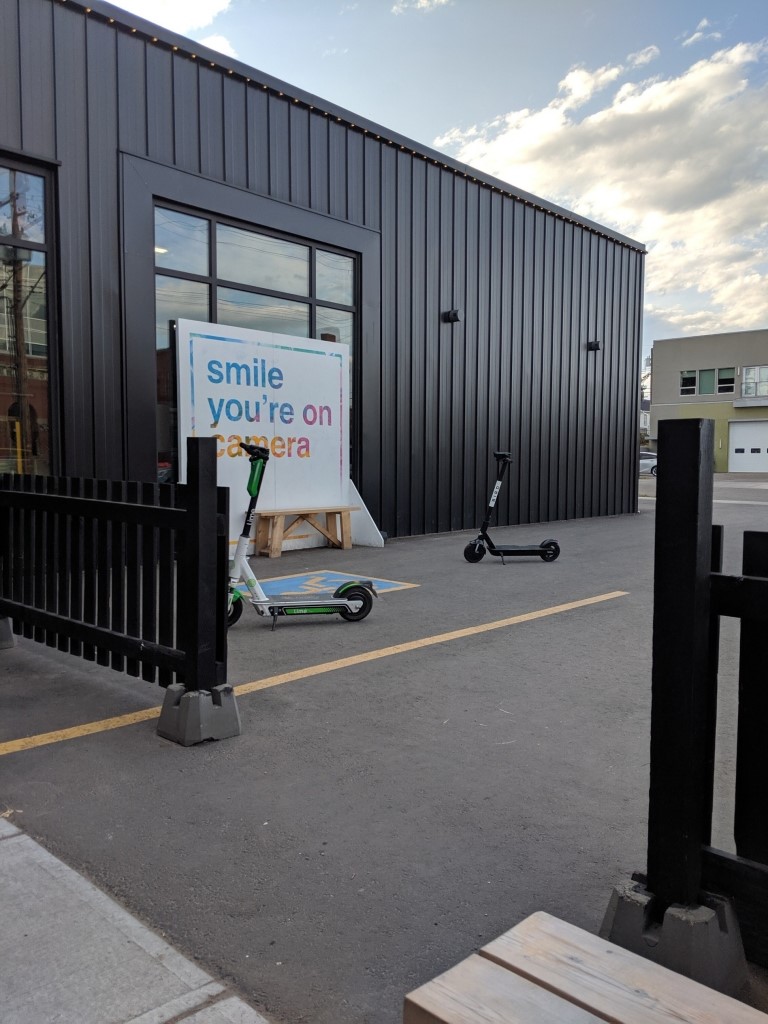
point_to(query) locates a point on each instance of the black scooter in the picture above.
(547, 551)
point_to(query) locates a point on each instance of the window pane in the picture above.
(262, 262)
(262, 312)
(763, 372)
(335, 325)
(177, 299)
(706, 382)
(687, 382)
(181, 242)
(335, 278)
(726, 377)
(22, 205)
(750, 373)
(24, 418)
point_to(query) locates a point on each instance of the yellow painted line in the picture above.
(415, 645)
(43, 738)
(90, 728)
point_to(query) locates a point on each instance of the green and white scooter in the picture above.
(352, 600)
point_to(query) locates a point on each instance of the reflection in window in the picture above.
(334, 325)
(335, 278)
(24, 438)
(175, 299)
(262, 262)
(22, 205)
(262, 312)
(687, 382)
(726, 380)
(755, 383)
(181, 242)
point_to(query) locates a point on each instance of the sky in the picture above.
(648, 117)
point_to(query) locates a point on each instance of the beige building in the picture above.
(723, 377)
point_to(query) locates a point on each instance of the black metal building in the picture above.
(143, 177)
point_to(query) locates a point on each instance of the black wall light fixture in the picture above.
(451, 316)
(594, 346)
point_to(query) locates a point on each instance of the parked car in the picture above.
(647, 463)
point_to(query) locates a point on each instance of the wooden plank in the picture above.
(614, 984)
(477, 991)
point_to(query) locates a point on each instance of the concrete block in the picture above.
(7, 639)
(193, 716)
(702, 942)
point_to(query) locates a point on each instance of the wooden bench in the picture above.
(549, 972)
(336, 527)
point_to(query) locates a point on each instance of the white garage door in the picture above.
(748, 447)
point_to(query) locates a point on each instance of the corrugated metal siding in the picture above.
(533, 287)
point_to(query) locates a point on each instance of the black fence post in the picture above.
(680, 715)
(197, 605)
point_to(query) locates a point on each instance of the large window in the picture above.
(755, 382)
(24, 321)
(708, 382)
(212, 270)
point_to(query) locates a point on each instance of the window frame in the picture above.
(49, 248)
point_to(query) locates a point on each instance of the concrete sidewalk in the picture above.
(70, 954)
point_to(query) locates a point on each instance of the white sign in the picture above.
(288, 394)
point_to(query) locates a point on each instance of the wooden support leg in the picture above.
(276, 537)
(346, 529)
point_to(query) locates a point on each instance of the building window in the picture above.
(708, 382)
(726, 380)
(24, 321)
(209, 269)
(755, 382)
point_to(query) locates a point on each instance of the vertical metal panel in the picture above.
(279, 153)
(186, 121)
(257, 120)
(435, 349)
(417, 345)
(10, 93)
(387, 436)
(299, 119)
(451, 338)
(74, 244)
(159, 104)
(337, 170)
(372, 184)
(132, 94)
(460, 356)
(403, 342)
(38, 131)
(318, 162)
(211, 123)
(355, 177)
(235, 133)
(104, 246)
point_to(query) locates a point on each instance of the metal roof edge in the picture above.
(230, 65)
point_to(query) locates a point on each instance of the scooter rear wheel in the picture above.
(234, 611)
(550, 549)
(361, 594)
(474, 551)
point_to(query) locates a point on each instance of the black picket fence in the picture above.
(130, 575)
(690, 595)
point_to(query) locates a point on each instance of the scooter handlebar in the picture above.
(255, 451)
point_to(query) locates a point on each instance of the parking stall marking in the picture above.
(120, 721)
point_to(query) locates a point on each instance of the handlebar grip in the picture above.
(255, 451)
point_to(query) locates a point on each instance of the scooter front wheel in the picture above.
(234, 611)
(550, 549)
(474, 551)
(355, 595)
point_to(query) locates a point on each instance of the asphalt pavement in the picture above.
(404, 789)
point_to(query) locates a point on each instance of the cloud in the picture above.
(700, 34)
(677, 163)
(638, 60)
(219, 43)
(178, 15)
(418, 5)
